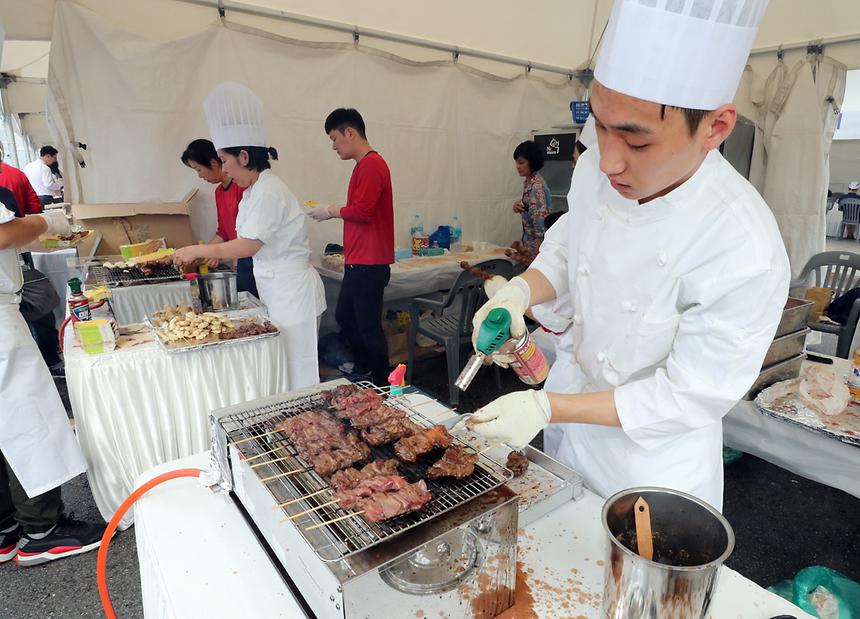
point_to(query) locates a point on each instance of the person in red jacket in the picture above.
(201, 156)
(368, 243)
(17, 182)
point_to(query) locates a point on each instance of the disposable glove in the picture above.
(57, 222)
(321, 213)
(512, 296)
(493, 285)
(513, 419)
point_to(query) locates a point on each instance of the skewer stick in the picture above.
(301, 498)
(252, 438)
(253, 466)
(308, 511)
(287, 474)
(322, 524)
(260, 455)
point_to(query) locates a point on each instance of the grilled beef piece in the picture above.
(341, 391)
(456, 462)
(347, 499)
(410, 448)
(517, 462)
(349, 478)
(356, 397)
(375, 416)
(389, 431)
(309, 419)
(343, 455)
(385, 505)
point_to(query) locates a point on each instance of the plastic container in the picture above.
(456, 234)
(854, 378)
(402, 253)
(416, 231)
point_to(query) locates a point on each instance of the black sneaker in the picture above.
(9, 544)
(69, 537)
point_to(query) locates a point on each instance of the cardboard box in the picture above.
(122, 224)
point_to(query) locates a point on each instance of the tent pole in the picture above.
(850, 38)
(251, 9)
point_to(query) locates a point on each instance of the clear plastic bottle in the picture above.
(417, 234)
(854, 379)
(456, 234)
(195, 291)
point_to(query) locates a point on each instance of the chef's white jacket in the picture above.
(675, 303)
(41, 178)
(36, 438)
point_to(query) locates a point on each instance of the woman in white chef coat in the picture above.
(38, 449)
(270, 227)
(674, 264)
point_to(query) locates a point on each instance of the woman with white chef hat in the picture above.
(270, 227)
(673, 262)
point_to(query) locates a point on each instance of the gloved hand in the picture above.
(493, 285)
(514, 419)
(514, 297)
(57, 222)
(321, 213)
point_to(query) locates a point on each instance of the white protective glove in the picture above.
(321, 213)
(57, 222)
(493, 285)
(513, 296)
(513, 419)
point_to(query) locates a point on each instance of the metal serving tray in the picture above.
(182, 349)
(785, 347)
(774, 374)
(795, 316)
(350, 535)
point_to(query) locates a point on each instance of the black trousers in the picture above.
(245, 276)
(46, 200)
(47, 337)
(37, 514)
(359, 314)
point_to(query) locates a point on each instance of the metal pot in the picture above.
(691, 541)
(218, 290)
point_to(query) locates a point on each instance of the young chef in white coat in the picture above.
(270, 227)
(673, 262)
(38, 449)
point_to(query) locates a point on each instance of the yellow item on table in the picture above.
(97, 293)
(134, 250)
(310, 203)
(203, 269)
(156, 255)
(96, 336)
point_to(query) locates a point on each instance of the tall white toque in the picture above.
(683, 53)
(235, 116)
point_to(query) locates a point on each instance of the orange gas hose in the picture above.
(101, 563)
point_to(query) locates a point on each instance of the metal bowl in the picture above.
(218, 290)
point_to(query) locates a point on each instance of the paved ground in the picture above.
(782, 522)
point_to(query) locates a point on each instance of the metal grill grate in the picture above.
(133, 275)
(338, 540)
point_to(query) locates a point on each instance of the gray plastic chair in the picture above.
(451, 326)
(838, 271)
(850, 216)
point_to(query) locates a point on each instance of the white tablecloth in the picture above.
(800, 450)
(832, 221)
(53, 264)
(414, 277)
(184, 532)
(136, 408)
(131, 304)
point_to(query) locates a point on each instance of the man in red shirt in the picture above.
(368, 243)
(202, 157)
(17, 182)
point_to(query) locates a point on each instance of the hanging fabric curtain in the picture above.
(798, 129)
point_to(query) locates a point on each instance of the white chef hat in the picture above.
(683, 53)
(2, 41)
(588, 135)
(235, 116)
(853, 185)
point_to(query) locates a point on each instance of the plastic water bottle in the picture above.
(456, 234)
(417, 234)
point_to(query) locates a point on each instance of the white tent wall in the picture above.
(844, 164)
(447, 131)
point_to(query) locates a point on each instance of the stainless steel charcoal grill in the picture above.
(456, 555)
(343, 538)
(133, 276)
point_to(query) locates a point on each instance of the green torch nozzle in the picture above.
(494, 331)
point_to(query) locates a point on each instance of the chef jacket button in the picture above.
(583, 270)
(577, 319)
(628, 306)
(662, 259)
(601, 356)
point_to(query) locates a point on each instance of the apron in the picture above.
(36, 437)
(294, 296)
